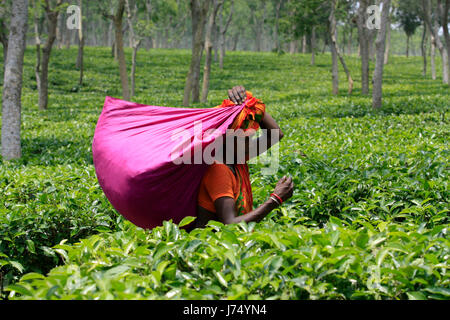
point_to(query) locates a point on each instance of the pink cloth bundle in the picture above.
(135, 162)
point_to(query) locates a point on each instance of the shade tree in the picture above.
(434, 27)
(199, 12)
(45, 11)
(12, 87)
(408, 15)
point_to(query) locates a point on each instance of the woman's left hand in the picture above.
(238, 95)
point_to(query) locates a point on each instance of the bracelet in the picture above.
(278, 197)
(276, 200)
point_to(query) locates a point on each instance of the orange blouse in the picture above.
(218, 181)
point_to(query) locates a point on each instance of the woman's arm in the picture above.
(226, 209)
(270, 128)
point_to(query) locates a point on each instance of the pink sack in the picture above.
(133, 152)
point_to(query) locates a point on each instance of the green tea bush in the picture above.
(368, 219)
(273, 261)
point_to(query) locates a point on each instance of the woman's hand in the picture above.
(226, 206)
(238, 95)
(284, 188)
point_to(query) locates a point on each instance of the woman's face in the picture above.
(237, 146)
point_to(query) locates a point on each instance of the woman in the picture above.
(225, 192)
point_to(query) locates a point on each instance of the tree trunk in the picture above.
(262, 26)
(334, 70)
(60, 32)
(333, 34)
(80, 64)
(133, 68)
(443, 13)
(325, 44)
(3, 35)
(335, 53)
(258, 40)
(105, 38)
(148, 18)
(445, 66)
(135, 44)
(5, 55)
(292, 46)
(223, 28)
(364, 46)
(94, 34)
(12, 85)
(52, 17)
(388, 41)
(427, 15)
(304, 44)
(423, 47)
(43, 93)
(347, 72)
(199, 10)
(371, 44)
(196, 82)
(313, 45)
(235, 42)
(215, 37)
(407, 46)
(350, 41)
(118, 18)
(433, 56)
(333, 48)
(344, 41)
(166, 38)
(380, 50)
(110, 33)
(37, 70)
(208, 48)
(277, 22)
(113, 49)
(68, 38)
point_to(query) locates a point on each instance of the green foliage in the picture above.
(409, 15)
(305, 15)
(368, 219)
(272, 261)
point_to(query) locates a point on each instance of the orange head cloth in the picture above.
(249, 118)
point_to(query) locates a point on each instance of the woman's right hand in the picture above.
(237, 95)
(284, 188)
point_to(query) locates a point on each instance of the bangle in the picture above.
(278, 197)
(276, 200)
